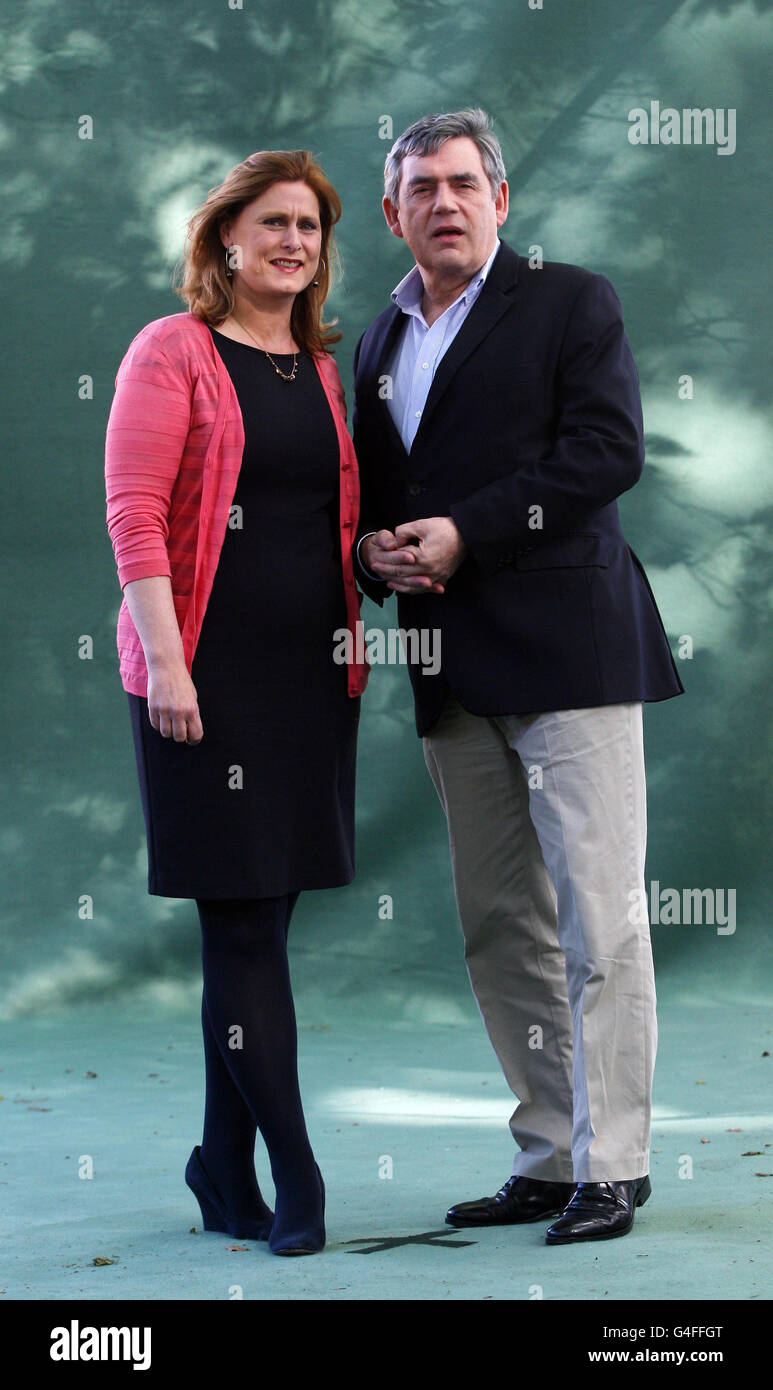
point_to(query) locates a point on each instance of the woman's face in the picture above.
(279, 239)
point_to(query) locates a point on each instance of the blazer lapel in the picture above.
(494, 300)
(380, 354)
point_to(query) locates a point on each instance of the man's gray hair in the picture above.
(426, 136)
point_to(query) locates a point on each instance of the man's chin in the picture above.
(447, 250)
(451, 258)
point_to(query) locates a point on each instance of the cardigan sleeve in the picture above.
(330, 368)
(146, 434)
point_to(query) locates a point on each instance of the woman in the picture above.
(232, 500)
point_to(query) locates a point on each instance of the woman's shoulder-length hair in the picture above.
(201, 278)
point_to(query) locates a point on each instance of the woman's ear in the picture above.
(224, 231)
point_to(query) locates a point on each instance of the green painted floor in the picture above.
(422, 1100)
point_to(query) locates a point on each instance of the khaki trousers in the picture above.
(547, 829)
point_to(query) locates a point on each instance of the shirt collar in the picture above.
(407, 295)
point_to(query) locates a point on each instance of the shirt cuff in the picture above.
(363, 567)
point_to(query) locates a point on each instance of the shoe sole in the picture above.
(238, 1234)
(296, 1252)
(516, 1221)
(575, 1240)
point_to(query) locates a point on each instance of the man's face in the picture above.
(446, 211)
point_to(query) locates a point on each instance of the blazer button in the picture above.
(414, 490)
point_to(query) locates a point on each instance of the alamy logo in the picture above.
(76, 1343)
(395, 647)
(690, 126)
(669, 907)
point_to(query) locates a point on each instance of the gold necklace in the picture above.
(294, 371)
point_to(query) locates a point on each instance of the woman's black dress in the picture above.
(264, 805)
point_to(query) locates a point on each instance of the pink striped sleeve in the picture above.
(330, 368)
(146, 433)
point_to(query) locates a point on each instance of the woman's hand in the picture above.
(172, 703)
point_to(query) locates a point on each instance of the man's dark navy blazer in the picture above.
(531, 430)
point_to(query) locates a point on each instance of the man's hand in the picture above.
(440, 551)
(392, 561)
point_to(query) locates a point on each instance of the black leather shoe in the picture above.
(599, 1211)
(521, 1199)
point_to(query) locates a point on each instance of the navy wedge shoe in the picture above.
(214, 1213)
(302, 1242)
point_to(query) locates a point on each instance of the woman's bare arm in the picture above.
(172, 703)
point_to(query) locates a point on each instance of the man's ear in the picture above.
(502, 203)
(392, 216)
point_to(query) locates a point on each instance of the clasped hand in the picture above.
(418, 555)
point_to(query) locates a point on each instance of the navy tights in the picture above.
(253, 1086)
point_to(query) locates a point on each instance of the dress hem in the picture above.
(272, 892)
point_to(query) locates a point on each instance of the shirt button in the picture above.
(424, 366)
(417, 413)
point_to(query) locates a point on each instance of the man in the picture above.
(497, 419)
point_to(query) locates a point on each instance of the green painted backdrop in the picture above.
(180, 91)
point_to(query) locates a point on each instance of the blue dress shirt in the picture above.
(419, 349)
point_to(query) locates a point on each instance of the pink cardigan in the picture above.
(173, 451)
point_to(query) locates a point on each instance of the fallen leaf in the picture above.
(102, 1260)
(763, 1175)
(705, 1141)
(237, 1247)
(90, 1073)
(752, 1153)
(733, 1131)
